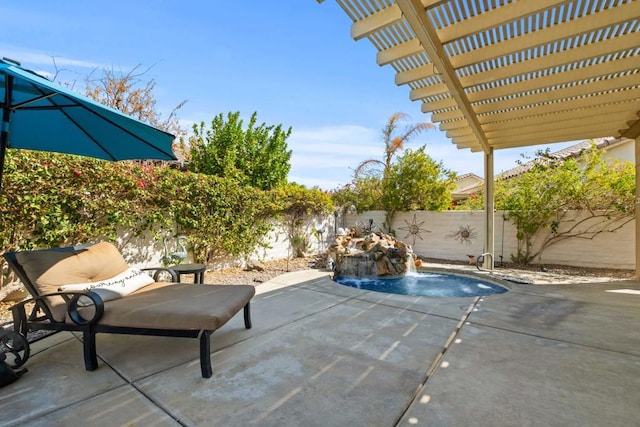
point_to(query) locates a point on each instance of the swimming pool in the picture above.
(430, 284)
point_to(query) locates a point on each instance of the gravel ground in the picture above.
(551, 270)
(240, 276)
(236, 276)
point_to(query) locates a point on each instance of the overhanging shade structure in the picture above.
(508, 73)
(38, 114)
(501, 74)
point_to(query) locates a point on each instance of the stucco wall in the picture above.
(437, 235)
(320, 232)
(433, 235)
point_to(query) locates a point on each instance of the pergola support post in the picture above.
(637, 212)
(489, 209)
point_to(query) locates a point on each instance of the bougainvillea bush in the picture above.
(51, 199)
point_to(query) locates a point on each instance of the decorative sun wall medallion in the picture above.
(414, 230)
(464, 234)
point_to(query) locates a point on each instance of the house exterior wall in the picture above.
(465, 187)
(624, 151)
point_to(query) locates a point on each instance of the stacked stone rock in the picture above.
(356, 255)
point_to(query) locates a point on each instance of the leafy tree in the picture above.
(345, 196)
(364, 194)
(540, 200)
(475, 201)
(416, 182)
(393, 144)
(604, 191)
(369, 193)
(219, 216)
(255, 156)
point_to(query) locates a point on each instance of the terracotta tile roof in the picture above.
(468, 175)
(565, 153)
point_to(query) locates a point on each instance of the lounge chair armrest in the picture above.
(158, 270)
(72, 308)
(71, 298)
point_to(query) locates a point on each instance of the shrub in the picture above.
(51, 199)
(297, 204)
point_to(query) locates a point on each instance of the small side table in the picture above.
(196, 269)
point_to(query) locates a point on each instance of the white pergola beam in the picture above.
(424, 31)
(527, 141)
(383, 18)
(559, 118)
(428, 107)
(587, 23)
(453, 114)
(454, 124)
(600, 126)
(459, 132)
(593, 50)
(485, 21)
(470, 138)
(414, 74)
(608, 68)
(398, 52)
(559, 95)
(373, 23)
(568, 110)
(424, 92)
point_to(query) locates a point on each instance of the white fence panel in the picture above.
(454, 235)
(447, 235)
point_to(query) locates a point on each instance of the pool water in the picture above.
(425, 284)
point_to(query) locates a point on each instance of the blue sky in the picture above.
(292, 61)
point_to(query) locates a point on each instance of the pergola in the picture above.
(500, 74)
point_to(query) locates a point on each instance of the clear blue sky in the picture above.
(292, 61)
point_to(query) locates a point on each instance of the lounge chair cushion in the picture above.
(50, 269)
(177, 306)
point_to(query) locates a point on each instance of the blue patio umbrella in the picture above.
(38, 114)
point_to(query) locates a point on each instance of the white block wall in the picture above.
(435, 237)
(607, 250)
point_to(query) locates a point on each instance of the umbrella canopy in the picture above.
(38, 114)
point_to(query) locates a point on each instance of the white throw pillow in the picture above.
(116, 287)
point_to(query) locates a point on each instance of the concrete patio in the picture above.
(322, 354)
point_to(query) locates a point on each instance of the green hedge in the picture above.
(51, 200)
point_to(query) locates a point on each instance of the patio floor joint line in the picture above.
(438, 360)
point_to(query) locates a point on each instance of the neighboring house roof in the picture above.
(565, 153)
(466, 187)
(468, 175)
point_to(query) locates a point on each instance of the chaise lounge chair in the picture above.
(92, 290)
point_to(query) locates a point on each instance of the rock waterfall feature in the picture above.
(370, 255)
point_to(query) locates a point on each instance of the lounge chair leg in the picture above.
(89, 346)
(247, 316)
(205, 355)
